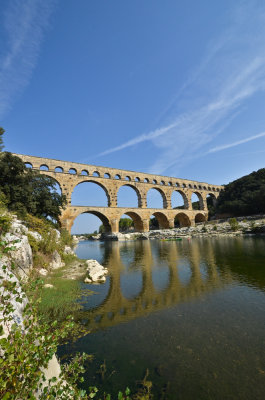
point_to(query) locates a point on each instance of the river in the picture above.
(190, 313)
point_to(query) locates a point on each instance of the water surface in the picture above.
(190, 312)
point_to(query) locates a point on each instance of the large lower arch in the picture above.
(96, 183)
(162, 219)
(164, 200)
(200, 218)
(183, 219)
(137, 221)
(135, 190)
(105, 221)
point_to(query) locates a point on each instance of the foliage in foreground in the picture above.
(244, 196)
(27, 191)
(29, 345)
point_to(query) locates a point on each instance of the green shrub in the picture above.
(233, 224)
(5, 223)
(215, 228)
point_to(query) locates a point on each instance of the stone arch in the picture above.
(162, 219)
(183, 219)
(117, 176)
(212, 198)
(162, 193)
(44, 167)
(59, 169)
(184, 197)
(97, 183)
(200, 218)
(96, 174)
(138, 194)
(105, 221)
(146, 180)
(28, 165)
(72, 171)
(200, 198)
(84, 172)
(107, 175)
(128, 178)
(56, 180)
(137, 220)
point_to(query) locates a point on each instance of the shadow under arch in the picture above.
(137, 220)
(200, 218)
(91, 180)
(162, 219)
(161, 192)
(138, 194)
(183, 219)
(184, 197)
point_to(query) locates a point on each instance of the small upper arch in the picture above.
(128, 178)
(72, 171)
(84, 172)
(58, 169)
(44, 167)
(117, 176)
(28, 165)
(96, 174)
(137, 179)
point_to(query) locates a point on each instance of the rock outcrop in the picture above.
(96, 272)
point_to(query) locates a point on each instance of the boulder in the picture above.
(96, 272)
(68, 250)
(43, 271)
(22, 253)
(37, 236)
(56, 261)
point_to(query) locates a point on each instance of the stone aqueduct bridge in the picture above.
(70, 174)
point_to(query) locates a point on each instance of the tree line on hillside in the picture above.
(24, 190)
(244, 196)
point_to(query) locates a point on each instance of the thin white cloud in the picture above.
(23, 25)
(231, 73)
(228, 146)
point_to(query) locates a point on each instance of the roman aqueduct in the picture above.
(70, 174)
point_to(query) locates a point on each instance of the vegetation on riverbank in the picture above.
(244, 196)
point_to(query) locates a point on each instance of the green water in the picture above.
(191, 312)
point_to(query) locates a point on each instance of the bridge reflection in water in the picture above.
(147, 276)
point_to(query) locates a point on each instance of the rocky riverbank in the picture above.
(229, 227)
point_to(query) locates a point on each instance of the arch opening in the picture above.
(179, 200)
(90, 222)
(128, 196)
(156, 198)
(136, 224)
(96, 174)
(126, 224)
(58, 169)
(90, 193)
(158, 219)
(211, 203)
(197, 201)
(181, 220)
(44, 167)
(72, 171)
(28, 165)
(107, 175)
(199, 218)
(84, 172)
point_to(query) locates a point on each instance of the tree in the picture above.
(244, 196)
(27, 191)
(2, 131)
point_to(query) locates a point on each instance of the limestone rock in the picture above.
(43, 271)
(56, 261)
(96, 272)
(37, 236)
(22, 253)
(68, 250)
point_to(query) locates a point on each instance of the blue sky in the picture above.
(171, 87)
